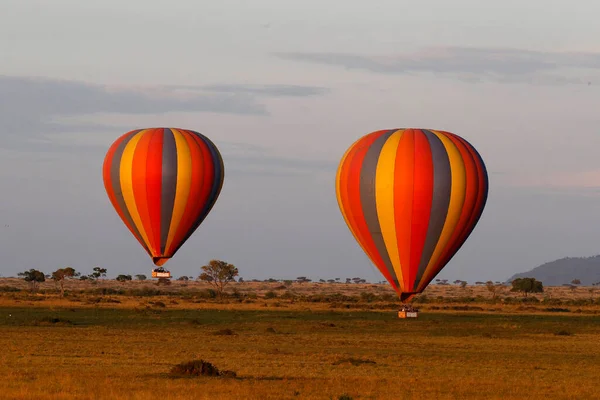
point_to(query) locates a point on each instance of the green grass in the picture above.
(127, 353)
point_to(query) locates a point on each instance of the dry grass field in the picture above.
(306, 341)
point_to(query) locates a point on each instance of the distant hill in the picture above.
(559, 272)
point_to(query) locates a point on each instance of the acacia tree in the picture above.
(33, 277)
(527, 285)
(494, 288)
(60, 275)
(218, 273)
(98, 272)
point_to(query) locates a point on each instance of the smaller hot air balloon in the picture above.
(163, 182)
(411, 198)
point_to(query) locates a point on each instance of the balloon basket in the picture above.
(408, 314)
(407, 311)
(161, 273)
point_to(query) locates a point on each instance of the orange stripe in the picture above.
(138, 171)
(403, 203)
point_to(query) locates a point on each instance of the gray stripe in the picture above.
(369, 203)
(216, 160)
(442, 182)
(169, 185)
(115, 179)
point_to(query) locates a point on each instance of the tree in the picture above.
(183, 278)
(33, 277)
(98, 272)
(576, 282)
(124, 278)
(493, 288)
(218, 274)
(527, 285)
(463, 284)
(60, 275)
(140, 277)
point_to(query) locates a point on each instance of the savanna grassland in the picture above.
(113, 340)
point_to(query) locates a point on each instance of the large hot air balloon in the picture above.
(411, 197)
(163, 182)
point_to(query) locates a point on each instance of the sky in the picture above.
(283, 89)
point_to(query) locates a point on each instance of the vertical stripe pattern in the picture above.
(411, 198)
(163, 182)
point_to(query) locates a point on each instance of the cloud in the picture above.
(24, 96)
(588, 180)
(500, 64)
(269, 90)
(249, 159)
(31, 109)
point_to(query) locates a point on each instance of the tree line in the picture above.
(219, 274)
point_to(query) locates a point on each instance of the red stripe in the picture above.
(206, 171)
(422, 201)
(404, 182)
(154, 184)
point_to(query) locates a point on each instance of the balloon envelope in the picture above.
(163, 182)
(411, 198)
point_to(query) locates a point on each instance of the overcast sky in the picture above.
(283, 88)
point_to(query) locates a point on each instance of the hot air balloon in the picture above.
(163, 182)
(411, 198)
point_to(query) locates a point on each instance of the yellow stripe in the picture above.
(457, 199)
(184, 179)
(384, 195)
(126, 177)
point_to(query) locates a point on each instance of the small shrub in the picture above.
(52, 321)
(353, 361)
(563, 333)
(270, 295)
(9, 289)
(557, 309)
(224, 332)
(345, 397)
(200, 368)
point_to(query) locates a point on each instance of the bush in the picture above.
(270, 295)
(368, 297)
(8, 289)
(200, 368)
